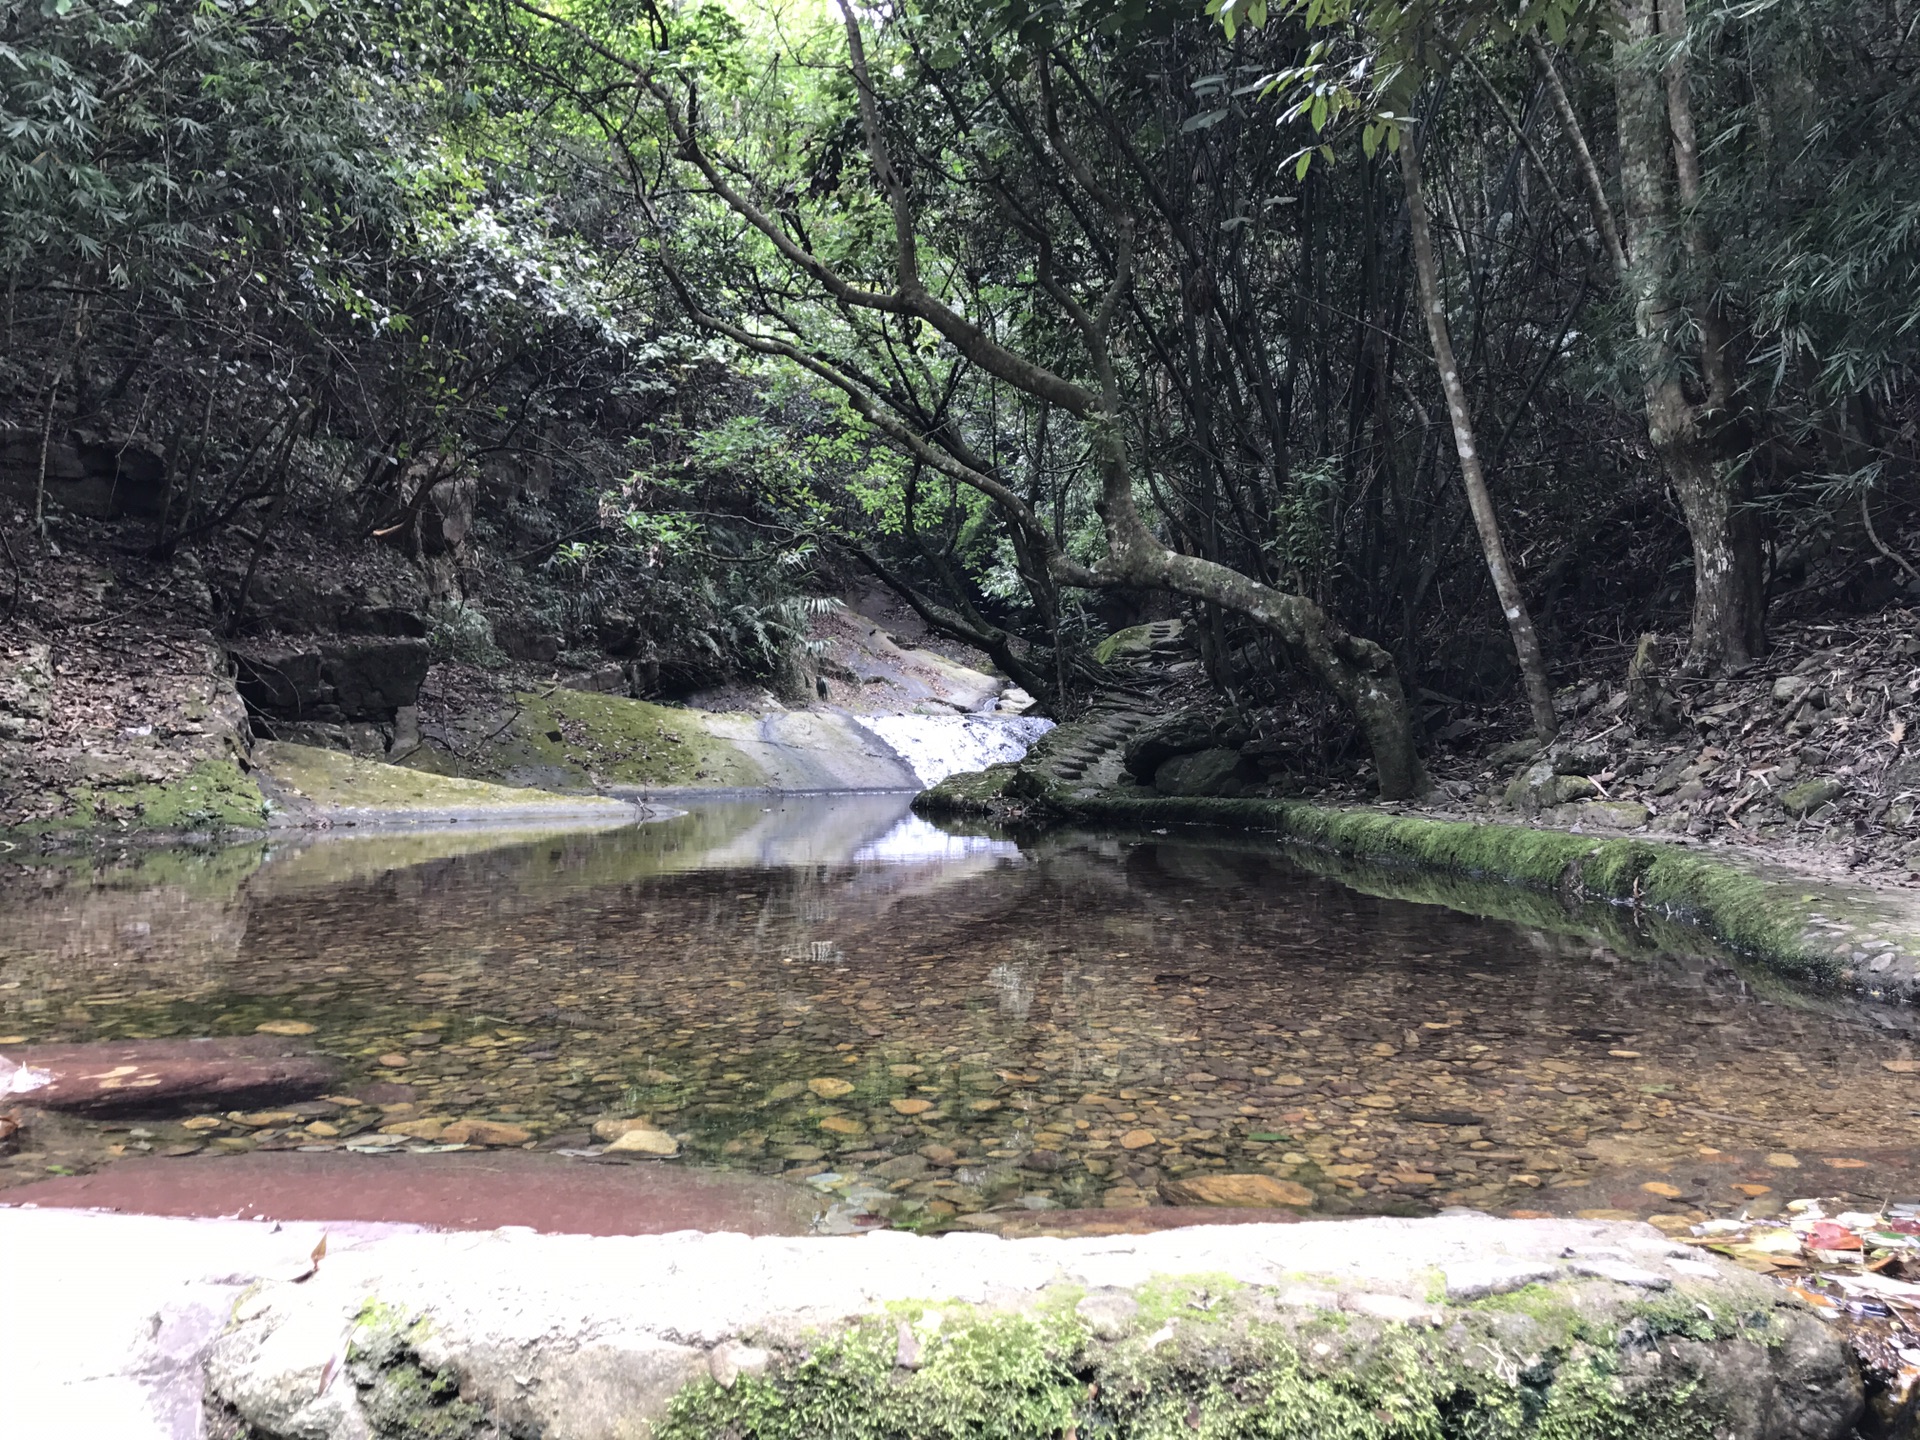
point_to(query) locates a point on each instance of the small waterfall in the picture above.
(937, 746)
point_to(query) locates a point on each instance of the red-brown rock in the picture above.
(121, 1077)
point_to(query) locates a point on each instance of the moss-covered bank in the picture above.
(1816, 932)
(1219, 1362)
(1199, 1356)
(212, 798)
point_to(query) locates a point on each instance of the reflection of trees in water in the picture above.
(1014, 983)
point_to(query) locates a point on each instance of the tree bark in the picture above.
(1513, 604)
(1655, 154)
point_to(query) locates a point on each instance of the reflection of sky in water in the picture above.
(913, 839)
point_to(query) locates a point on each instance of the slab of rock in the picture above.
(147, 1077)
(1479, 1279)
(1602, 815)
(1247, 1192)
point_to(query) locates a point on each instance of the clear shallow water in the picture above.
(939, 1023)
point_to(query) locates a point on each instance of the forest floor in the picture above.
(1805, 759)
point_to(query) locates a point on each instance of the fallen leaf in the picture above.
(1831, 1237)
(1754, 1191)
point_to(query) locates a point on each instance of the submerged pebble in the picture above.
(1090, 1022)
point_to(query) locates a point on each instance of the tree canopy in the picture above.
(1422, 352)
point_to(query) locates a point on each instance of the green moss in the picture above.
(331, 778)
(1200, 1362)
(1003, 1376)
(573, 739)
(1760, 915)
(1136, 639)
(402, 1397)
(967, 794)
(213, 795)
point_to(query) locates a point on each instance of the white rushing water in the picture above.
(937, 746)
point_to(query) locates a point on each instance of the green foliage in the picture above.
(461, 632)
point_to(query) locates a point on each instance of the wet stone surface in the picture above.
(933, 1030)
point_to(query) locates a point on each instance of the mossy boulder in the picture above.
(1214, 771)
(971, 793)
(212, 796)
(1541, 786)
(1808, 796)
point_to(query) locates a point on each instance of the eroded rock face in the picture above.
(103, 476)
(335, 680)
(1180, 734)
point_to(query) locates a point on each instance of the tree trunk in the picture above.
(1728, 582)
(1526, 644)
(1356, 669)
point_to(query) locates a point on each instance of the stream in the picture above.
(929, 1023)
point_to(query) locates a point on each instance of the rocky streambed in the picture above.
(875, 1024)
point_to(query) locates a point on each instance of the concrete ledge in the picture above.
(1456, 1326)
(136, 1328)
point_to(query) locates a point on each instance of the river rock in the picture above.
(1540, 787)
(1247, 1192)
(155, 1076)
(1207, 772)
(1805, 798)
(644, 1141)
(484, 1132)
